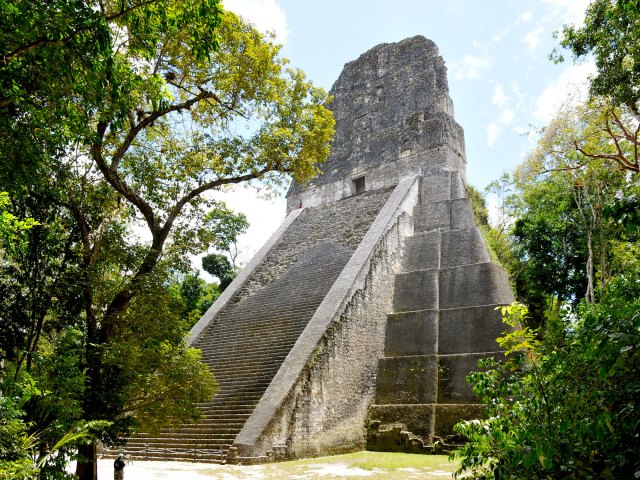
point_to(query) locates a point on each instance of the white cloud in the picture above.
(518, 91)
(493, 129)
(568, 11)
(505, 114)
(532, 39)
(266, 15)
(506, 117)
(499, 98)
(524, 17)
(469, 67)
(571, 87)
(500, 35)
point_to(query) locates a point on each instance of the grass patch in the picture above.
(366, 465)
(395, 461)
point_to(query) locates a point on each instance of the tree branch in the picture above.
(623, 162)
(61, 41)
(152, 117)
(177, 208)
(626, 133)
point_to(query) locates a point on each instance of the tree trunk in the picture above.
(603, 267)
(87, 468)
(590, 296)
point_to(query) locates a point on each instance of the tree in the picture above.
(59, 66)
(564, 407)
(197, 295)
(145, 129)
(225, 226)
(219, 266)
(611, 34)
(564, 230)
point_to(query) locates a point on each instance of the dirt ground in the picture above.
(370, 465)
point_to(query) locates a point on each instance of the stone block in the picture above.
(422, 251)
(446, 416)
(473, 285)
(441, 159)
(470, 330)
(436, 187)
(431, 216)
(416, 291)
(452, 374)
(462, 214)
(417, 419)
(406, 380)
(457, 186)
(462, 247)
(412, 333)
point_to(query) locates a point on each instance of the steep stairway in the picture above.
(443, 321)
(244, 348)
(246, 343)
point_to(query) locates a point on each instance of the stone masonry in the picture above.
(356, 323)
(444, 320)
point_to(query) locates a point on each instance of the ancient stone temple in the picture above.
(356, 323)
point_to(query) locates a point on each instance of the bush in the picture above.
(566, 406)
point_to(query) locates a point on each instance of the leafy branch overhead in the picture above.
(611, 34)
(197, 126)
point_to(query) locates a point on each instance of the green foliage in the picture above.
(31, 450)
(219, 266)
(566, 406)
(478, 205)
(197, 296)
(495, 237)
(225, 226)
(567, 215)
(611, 34)
(151, 371)
(15, 446)
(191, 289)
(10, 226)
(119, 117)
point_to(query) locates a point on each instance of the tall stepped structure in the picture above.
(444, 320)
(356, 323)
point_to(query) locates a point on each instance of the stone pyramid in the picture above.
(357, 322)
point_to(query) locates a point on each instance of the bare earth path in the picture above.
(361, 465)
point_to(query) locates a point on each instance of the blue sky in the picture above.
(500, 78)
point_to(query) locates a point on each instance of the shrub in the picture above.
(564, 407)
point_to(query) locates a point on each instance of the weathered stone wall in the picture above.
(326, 410)
(394, 118)
(443, 322)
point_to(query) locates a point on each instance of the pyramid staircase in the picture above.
(246, 343)
(244, 348)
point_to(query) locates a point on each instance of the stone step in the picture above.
(178, 438)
